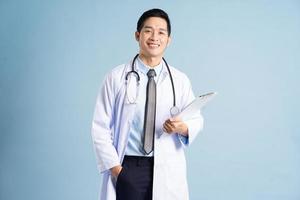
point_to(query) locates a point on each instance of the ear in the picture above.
(137, 36)
(169, 41)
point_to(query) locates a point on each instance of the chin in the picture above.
(154, 54)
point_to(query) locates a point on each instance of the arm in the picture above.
(189, 129)
(102, 127)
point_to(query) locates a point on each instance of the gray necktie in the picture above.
(150, 110)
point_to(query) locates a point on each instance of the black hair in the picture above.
(153, 13)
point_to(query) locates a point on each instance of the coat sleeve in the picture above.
(195, 124)
(102, 127)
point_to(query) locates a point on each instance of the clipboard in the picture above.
(194, 107)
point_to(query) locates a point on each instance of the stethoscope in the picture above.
(173, 110)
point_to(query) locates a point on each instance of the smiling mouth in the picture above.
(152, 45)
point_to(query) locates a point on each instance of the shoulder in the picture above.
(178, 75)
(118, 73)
(115, 78)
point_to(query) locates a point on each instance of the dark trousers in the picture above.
(136, 178)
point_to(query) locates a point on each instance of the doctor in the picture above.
(139, 145)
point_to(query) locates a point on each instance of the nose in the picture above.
(154, 36)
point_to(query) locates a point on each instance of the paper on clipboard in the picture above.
(193, 108)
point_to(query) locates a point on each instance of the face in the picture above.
(153, 37)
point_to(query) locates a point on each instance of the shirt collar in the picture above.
(142, 67)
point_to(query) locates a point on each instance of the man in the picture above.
(139, 146)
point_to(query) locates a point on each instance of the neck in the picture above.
(150, 61)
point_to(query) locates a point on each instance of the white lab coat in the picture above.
(111, 124)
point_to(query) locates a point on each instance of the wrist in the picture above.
(185, 131)
(116, 170)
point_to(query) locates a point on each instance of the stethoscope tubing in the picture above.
(138, 76)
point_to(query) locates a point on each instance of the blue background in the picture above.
(54, 55)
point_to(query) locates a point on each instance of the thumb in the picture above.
(174, 119)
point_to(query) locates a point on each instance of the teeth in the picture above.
(153, 45)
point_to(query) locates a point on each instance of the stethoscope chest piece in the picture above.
(174, 111)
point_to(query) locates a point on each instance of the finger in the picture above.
(168, 123)
(167, 128)
(170, 126)
(174, 127)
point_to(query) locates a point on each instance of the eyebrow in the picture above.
(161, 29)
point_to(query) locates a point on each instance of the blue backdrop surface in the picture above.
(54, 55)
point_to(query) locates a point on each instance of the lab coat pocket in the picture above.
(119, 178)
